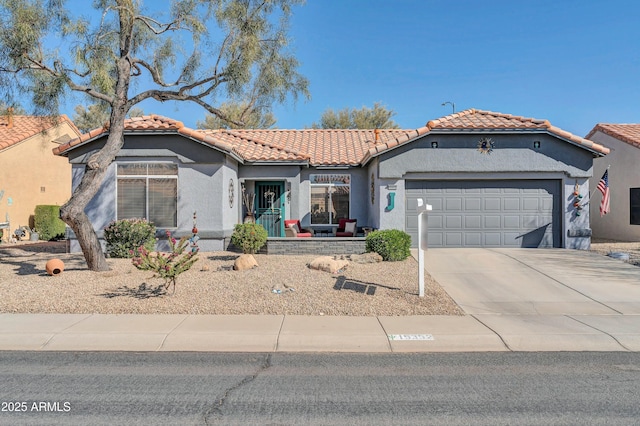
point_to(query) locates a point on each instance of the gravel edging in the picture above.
(212, 287)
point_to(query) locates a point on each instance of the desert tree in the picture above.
(124, 52)
(251, 117)
(378, 117)
(96, 115)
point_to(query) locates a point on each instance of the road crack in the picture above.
(216, 409)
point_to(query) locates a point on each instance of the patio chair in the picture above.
(346, 228)
(292, 228)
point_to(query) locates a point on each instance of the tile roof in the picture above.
(316, 147)
(331, 147)
(26, 126)
(629, 133)
(474, 119)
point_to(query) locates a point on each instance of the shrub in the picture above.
(250, 237)
(124, 237)
(391, 244)
(167, 265)
(47, 222)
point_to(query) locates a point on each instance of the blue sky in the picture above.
(575, 63)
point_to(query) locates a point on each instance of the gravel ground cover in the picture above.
(213, 287)
(605, 247)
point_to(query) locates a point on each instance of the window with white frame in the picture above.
(330, 198)
(149, 191)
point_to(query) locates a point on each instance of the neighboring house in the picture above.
(494, 180)
(622, 223)
(29, 174)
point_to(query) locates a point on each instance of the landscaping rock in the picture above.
(371, 257)
(328, 264)
(244, 262)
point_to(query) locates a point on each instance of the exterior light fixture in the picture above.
(536, 144)
(434, 144)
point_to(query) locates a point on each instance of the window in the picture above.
(330, 196)
(634, 204)
(149, 191)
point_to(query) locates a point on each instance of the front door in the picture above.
(270, 202)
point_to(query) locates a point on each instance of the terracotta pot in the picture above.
(54, 267)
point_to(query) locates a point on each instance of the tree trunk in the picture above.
(73, 212)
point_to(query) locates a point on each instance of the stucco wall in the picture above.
(202, 187)
(511, 153)
(623, 174)
(513, 157)
(31, 175)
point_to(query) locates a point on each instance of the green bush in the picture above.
(391, 244)
(47, 222)
(250, 237)
(125, 236)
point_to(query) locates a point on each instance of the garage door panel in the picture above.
(433, 222)
(453, 239)
(493, 203)
(488, 213)
(453, 204)
(453, 222)
(531, 204)
(512, 238)
(473, 204)
(511, 204)
(472, 222)
(436, 203)
(435, 239)
(511, 222)
(492, 239)
(492, 222)
(473, 239)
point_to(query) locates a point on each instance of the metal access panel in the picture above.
(487, 213)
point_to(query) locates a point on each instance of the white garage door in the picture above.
(484, 213)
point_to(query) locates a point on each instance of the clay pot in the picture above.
(54, 267)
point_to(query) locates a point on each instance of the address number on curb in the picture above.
(411, 337)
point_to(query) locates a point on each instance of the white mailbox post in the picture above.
(422, 240)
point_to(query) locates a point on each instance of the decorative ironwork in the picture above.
(232, 193)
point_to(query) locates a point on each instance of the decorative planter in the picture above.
(34, 236)
(54, 267)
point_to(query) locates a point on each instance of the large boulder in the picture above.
(244, 262)
(328, 264)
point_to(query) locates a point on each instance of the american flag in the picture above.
(603, 186)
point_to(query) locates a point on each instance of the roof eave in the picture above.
(304, 163)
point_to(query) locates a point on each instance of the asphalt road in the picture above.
(319, 389)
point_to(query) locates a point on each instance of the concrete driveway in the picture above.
(544, 299)
(536, 281)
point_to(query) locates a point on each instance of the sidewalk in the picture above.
(277, 333)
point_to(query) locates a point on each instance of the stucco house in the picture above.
(622, 223)
(493, 179)
(29, 174)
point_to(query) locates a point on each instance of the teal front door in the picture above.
(270, 203)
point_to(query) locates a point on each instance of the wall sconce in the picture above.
(536, 144)
(434, 144)
(288, 191)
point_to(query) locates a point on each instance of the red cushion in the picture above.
(303, 234)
